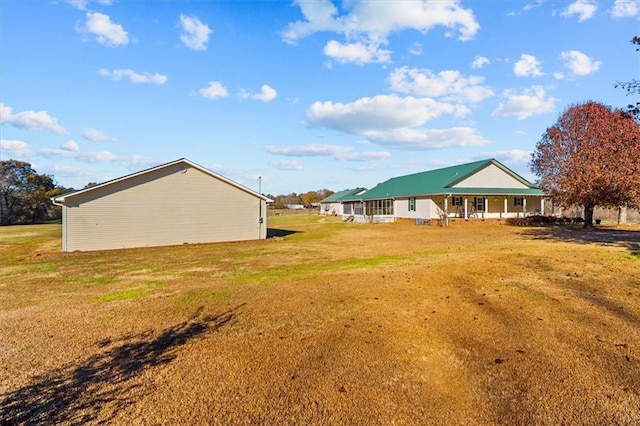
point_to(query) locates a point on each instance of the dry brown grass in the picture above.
(337, 323)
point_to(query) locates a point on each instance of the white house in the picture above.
(483, 189)
(175, 203)
(332, 205)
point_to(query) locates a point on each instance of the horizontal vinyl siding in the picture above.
(173, 205)
(423, 208)
(490, 177)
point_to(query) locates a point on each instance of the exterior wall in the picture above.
(331, 209)
(490, 177)
(173, 205)
(424, 209)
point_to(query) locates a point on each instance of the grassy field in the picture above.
(328, 323)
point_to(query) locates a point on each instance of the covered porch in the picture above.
(483, 206)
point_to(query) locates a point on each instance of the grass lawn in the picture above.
(327, 323)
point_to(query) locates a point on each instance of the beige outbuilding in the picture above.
(174, 203)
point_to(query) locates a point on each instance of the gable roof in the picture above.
(441, 181)
(338, 196)
(61, 199)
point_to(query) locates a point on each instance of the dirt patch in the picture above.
(332, 323)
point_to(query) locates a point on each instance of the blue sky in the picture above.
(305, 94)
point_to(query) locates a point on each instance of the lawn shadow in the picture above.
(627, 239)
(275, 232)
(103, 384)
(608, 237)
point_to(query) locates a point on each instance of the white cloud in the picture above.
(105, 31)
(15, 147)
(72, 150)
(31, 120)
(416, 49)
(82, 4)
(479, 62)
(424, 139)
(379, 112)
(68, 171)
(530, 6)
(625, 8)
(394, 121)
(359, 52)
(449, 84)
(195, 34)
(584, 9)
(366, 25)
(95, 135)
(95, 157)
(382, 18)
(528, 66)
(267, 94)
(319, 16)
(134, 77)
(135, 162)
(511, 156)
(215, 89)
(337, 152)
(287, 165)
(70, 146)
(579, 63)
(532, 101)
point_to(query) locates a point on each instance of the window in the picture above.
(518, 201)
(457, 201)
(478, 203)
(348, 208)
(412, 204)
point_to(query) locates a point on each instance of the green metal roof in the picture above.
(338, 196)
(441, 181)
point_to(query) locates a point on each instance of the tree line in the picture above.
(307, 199)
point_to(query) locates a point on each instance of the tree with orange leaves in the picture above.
(590, 157)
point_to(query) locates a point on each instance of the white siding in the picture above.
(490, 177)
(423, 208)
(172, 205)
(331, 209)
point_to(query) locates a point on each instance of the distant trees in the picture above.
(25, 194)
(590, 157)
(306, 199)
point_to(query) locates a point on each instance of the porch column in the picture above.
(524, 206)
(466, 209)
(446, 206)
(542, 206)
(506, 206)
(486, 205)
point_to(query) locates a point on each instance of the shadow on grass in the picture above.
(103, 384)
(612, 237)
(274, 232)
